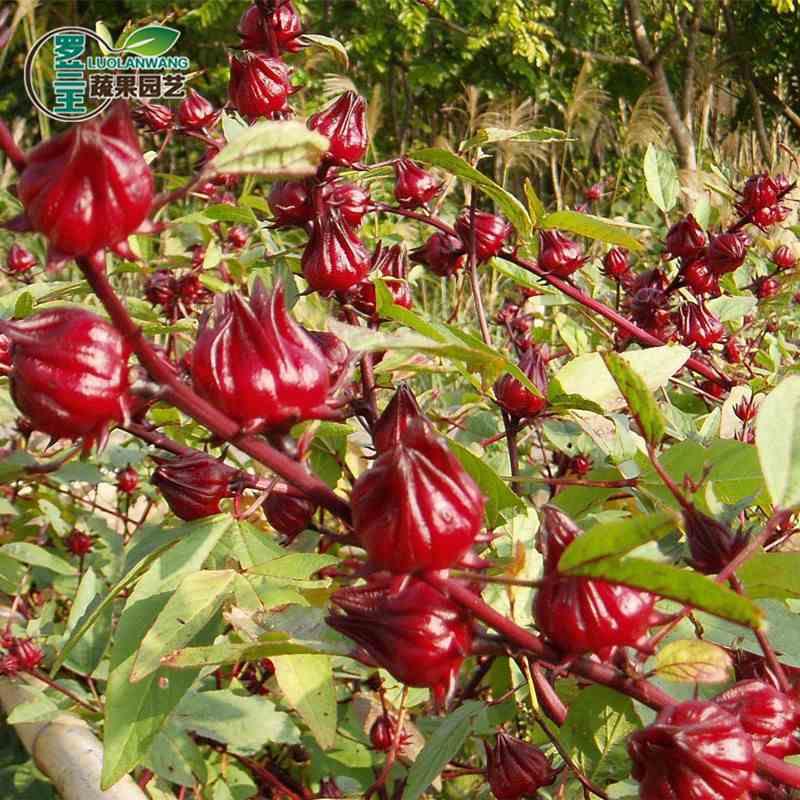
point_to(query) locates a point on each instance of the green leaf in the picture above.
(332, 46)
(492, 135)
(588, 376)
(42, 709)
(152, 40)
(285, 149)
(498, 495)
(12, 574)
(778, 442)
(24, 306)
(442, 745)
(604, 230)
(640, 401)
(514, 211)
(771, 575)
(6, 508)
(693, 661)
(730, 308)
(616, 538)
(294, 566)
(661, 178)
(307, 685)
(684, 586)
(244, 723)
(37, 556)
(195, 602)
(136, 712)
(89, 649)
(535, 205)
(176, 758)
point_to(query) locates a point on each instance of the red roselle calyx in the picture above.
(351, 200)
(516, 769)
(20, 259)
(698, 326)
(685, 239)
(693, 750)
(767, 714)
(766, 288)
(416, 508)
(414, 632)
(336, 352)
(257, 365)
(491, 232)
(89, 187)
(391, 264)
(712, 544)
(344, 123)
(284, 22)
(783, 257)
(290, 202)
(156, 117)
(334, 259)
(29, 655)
(5, 352)
(699, 278)
(290, 513)
(401, 413)
(69, 373)
(616, 263)
(514, 397)
(727, 252)
(382, 732)
(559, 254)
(760, 191)
(196, 113)
(413, 186)
(127, 480)
(259, 85)
(442, 253)
(582, 615)
(194, 485)
(79, 543)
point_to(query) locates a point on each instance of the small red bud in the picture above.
(616, 263)
(290, 202)
(28, 654)
(20, 259)
(336, 352)
(699, 277)
(196, 113)
(698, 326)
(593, 193)
(155, 117)
(351, 200)
(193, 486)
(79, 543)
(334, 259)
(344, 123)
(783, 257)
(514, 397)
(491, 232)
(442, 253)
(760, 191)
(289, 513)
(392, 265)
(733, 352)
(413, 185)
(685, 239)
(767, 288)
(727, 252)
(127, 480)
(237, 236)
(712, 545)
(559, 254)
(259, 85)
(516, 769)
(401, 414)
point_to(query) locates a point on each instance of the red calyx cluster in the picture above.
(582, 615)
(177, 295)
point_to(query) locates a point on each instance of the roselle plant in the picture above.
(332, 475)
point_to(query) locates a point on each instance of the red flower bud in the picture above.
(413, 186)
(712, 545)
(733, 352)
(582, 615)
(699, 277)
(289, 513)
(287, 26)
(765, 217)
(335, 258)
(512, 395)
(760, 191)
(284, 21)
(594, 193)
(335, 351)
(69, 372)
(416, 508)
(767, 288)
(79, 544)
(745, 410)
(193, 486)
(257, 365)
(20, 259)
(698, 326)
(491, 232)
(769, 716)
(581, 464)
(727, 252)
(352, 201)
(259, 85)
(401, 414)
(516, 769)
(685, 239)
(161, 289)
(89, 187)
(196, 113)
(414, 632)
(290, 202)
(237, 236)
(783, 257)
(29, 655)
(155, 117)
(693, 750)
(713, 388)
(127, 480)
(191, 291)
(442, 253)
(344, 123)
(392, 265)
(382, 732)
(9, 665)
(559, 254)
(616, 263)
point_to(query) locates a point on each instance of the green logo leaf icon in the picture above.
(152, 40)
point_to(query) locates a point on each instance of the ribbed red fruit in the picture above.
(69, 372)
(284, 22)
(693, 751)
(196, 113)
(290, 513)
(257, 365)
(89, 187)
(413, 186)
(20, 259)
(514, 396)
(193, 486)
(616, 263)
(344, 123)
(416, 508)
(685, 239)
(391, 263)
(559, 254)
(491, 232)
(442, 253)
(516, 769)
(334, 259)
(727, 252)
(259, 85)
(290, 202)
(698, 326)
(401, 414)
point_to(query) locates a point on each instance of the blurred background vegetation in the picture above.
(715, 81)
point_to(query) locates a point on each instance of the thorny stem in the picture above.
(192, 404)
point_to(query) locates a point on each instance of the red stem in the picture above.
(11, 148)
(192, 404)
